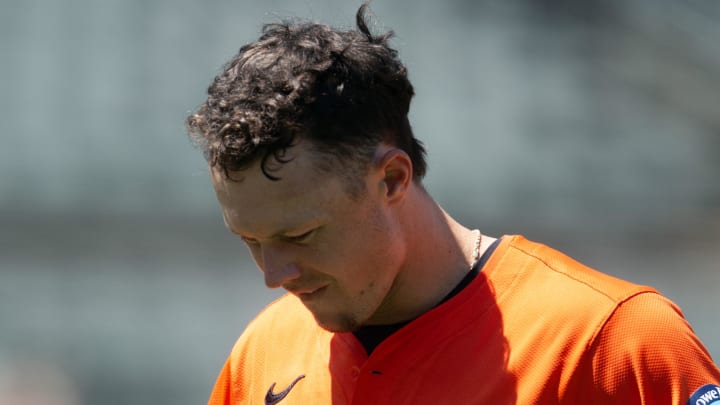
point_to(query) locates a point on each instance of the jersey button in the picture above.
(355, 372)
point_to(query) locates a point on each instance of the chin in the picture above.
(339, 323)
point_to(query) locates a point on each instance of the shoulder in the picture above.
(279, 347)
(559, 277)
(648, 351)
(283, 323)
(643, 324)
(286, 316)
(624, 342)
(286, 307)
(274, 341)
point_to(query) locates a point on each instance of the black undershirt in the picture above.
(370, 336)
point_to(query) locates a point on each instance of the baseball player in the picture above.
(391, 300)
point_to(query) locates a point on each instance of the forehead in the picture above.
(255, 205)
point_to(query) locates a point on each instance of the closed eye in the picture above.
(250, 241)
(301, 238)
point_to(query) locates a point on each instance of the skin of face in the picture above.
(340, 255)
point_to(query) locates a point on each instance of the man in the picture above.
(391, 300)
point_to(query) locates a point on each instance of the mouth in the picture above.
(311, 294)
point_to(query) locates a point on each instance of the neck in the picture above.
(440, 252)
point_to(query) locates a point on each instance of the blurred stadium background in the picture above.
(592, 126)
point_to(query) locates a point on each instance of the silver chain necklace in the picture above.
(476, 249)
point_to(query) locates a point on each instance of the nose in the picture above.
(277, 267)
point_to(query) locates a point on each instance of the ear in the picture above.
(396, 173)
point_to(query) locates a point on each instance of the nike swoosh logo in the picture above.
(271, 398)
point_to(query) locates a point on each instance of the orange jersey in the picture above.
(534, 327)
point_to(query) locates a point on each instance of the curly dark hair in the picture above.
(345, 91)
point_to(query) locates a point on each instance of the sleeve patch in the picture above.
(708, 394)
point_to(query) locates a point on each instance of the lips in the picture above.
(309, 294)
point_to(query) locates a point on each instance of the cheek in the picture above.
(386, 243)
(378, 258)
